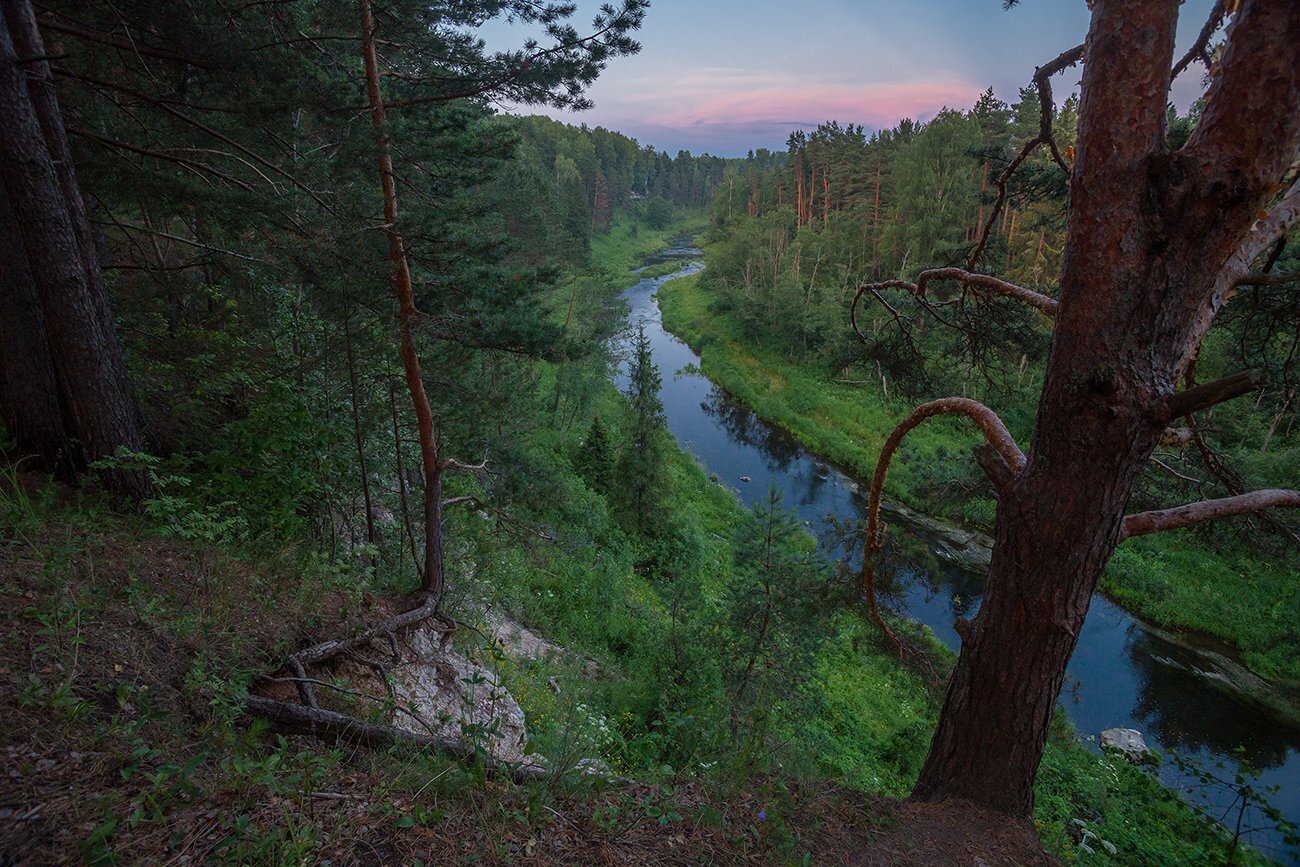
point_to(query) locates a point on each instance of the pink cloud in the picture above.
(729, 109)
(873, 105)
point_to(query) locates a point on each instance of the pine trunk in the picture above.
(87, 357)
(1149, 239)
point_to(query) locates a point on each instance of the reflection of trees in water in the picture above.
(1186, 713)
(743, 426)
(908, 560)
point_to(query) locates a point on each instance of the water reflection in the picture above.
(743, 426)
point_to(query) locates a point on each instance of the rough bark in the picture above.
(29, 406)
(88, 359)
(1148, 237)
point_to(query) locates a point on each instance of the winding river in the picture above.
(1123, 672)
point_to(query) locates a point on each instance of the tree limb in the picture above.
(1046, 114)
(1207, 510)
(997, 437)
(46, 23)
(1268, 279)
(330, 725)
(983, 282)
(1210, 394)
(320, 652)
(1200, 49)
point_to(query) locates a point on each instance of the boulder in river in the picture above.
(1126, 742)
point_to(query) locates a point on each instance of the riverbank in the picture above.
(873, 723)
(1248, 602)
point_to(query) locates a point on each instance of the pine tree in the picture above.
(595, 459)
(641, 468)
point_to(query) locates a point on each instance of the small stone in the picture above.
(745, 478)
(554, 683)
(593, 768)
(1110, 848)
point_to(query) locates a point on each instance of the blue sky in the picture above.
(725, 76)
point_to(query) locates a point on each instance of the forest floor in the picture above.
(122, 742)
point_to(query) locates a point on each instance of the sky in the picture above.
(727, 76)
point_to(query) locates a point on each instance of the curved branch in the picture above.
(996, 435)
(1207, 510)
(1046, 114)
(984, 282)
(1200, 49)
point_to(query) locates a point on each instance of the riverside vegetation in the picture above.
(272, 493)
(134, 637)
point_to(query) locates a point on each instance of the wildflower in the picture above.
(762, 815)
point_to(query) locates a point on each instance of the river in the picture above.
(1122, 673)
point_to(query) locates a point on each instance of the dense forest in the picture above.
(340, 516)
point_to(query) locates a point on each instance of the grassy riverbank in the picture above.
(1249, 601)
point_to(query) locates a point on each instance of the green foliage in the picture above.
(595, 459)
(640, 468)
(778, 602)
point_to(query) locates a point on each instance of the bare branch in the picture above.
(1046, 114)
(333, 726)
(457, 501)
(982, 282)
(1207, 510)
(996, 435)
(1200, 49)
(453, 464)
(1201, 397)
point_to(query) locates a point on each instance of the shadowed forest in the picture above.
(389, 474)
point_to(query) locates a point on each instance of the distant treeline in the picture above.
(596, 172)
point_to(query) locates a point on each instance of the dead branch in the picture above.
(1200, 50)
(453, 464)
(1046, 114)
(981, 282)
(320, 652)
(333, 726)
(467, 500)
(1207, 510)
(1201, 397)
(996, 436)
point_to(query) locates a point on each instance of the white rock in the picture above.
(449, 694)
(1127, 742)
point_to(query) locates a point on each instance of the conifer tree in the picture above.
(641, 468)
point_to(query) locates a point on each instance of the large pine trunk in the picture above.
(29, 393)
(87, 357)
(1149, 235)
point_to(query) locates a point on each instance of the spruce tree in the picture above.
(595, 459)
(641, 468)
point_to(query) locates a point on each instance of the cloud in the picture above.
(725, 97)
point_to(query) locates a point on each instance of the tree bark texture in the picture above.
(1149, 236)
(30, 405)
(88, 359)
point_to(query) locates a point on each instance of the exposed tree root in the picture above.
(333, 726)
